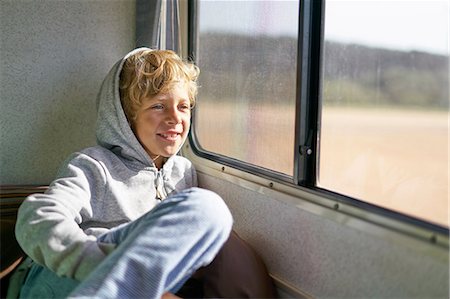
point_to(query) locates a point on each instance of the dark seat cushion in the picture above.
(236, 272)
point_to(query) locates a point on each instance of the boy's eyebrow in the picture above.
(162, 98)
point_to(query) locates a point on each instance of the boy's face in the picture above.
(162, 123)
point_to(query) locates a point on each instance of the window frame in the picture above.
(307, 119)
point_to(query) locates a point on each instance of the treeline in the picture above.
(263, 69)
(358, 74)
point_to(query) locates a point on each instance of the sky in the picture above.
(401, 24)
(395, 24)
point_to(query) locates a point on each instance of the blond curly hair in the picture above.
(150, 72)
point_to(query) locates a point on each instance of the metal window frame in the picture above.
(310, 35)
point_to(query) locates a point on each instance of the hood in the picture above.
(113, 131)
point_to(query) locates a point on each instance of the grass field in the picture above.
(393, 158)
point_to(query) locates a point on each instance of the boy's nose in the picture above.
(174, 116)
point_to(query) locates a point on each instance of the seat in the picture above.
(11, 255)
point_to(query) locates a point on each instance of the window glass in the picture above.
(385, 95)
(247, 53)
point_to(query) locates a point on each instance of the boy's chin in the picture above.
(167, 151)
(168, 154)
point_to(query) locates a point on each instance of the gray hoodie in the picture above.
(96, 189)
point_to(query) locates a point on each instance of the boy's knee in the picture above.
(210, 207)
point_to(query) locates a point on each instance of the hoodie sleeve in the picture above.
(48, 228)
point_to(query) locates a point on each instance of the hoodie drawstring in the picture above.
(160, 191)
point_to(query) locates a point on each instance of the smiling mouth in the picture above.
(169, 137)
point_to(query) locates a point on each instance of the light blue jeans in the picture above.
(154, 254)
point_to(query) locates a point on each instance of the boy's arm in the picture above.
(48, 224)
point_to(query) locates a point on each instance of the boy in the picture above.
(122, 219)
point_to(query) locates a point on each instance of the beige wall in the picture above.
(322, 253)
(53, 57)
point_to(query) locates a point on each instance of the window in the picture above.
(246, 108)
(384, 125)
(342, 96)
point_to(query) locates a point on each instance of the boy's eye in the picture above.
(158, 107)
(185, 107)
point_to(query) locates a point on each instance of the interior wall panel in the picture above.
(54, 56)
(326, 259)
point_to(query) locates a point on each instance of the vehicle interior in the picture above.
(341, 188)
